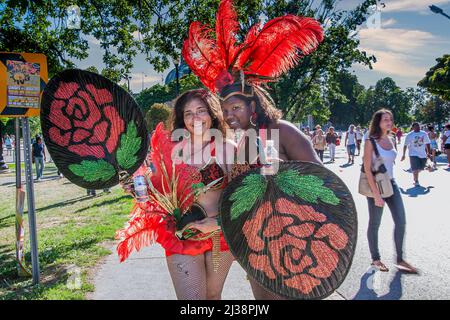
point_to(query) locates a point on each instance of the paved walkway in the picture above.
(145, 276)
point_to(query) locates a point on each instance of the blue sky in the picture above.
(406, 39)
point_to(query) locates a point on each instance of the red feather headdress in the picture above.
(265, 54)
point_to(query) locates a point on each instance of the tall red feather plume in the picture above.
(200, 53)
(264, 55)
(227, 26)
(274, 50)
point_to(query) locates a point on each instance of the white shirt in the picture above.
(359, 134)
(447, 134)
(388, 157)
(416, 142)
(351, 138)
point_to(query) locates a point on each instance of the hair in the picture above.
(447, 126)
(266, 111)
(374, 127)
(431, 128)
(209, 100)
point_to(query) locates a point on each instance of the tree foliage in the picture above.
(437, 79)
(159, 112)
(165, 93)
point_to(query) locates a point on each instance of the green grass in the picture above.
(72, 232)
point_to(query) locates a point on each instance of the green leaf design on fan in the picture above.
(307, 187)
(130, 143)
(244, 197)
(92, 171)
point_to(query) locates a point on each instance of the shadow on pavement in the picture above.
(414, 192)
(368, 282)
(346, 165)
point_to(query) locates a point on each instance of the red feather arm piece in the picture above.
(201, 54)
(138, 232)
(162, 152)
(227, 26)
(274, 50)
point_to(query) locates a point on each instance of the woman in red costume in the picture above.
(198, 265)
(236, 72)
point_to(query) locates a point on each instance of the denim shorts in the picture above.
(417, 163)
(351, 149)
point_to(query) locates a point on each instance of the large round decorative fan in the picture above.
(294, 232)
(93, 129)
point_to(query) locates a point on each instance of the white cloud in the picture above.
(93, 40)
(398, 40)
(401, 53)
(411, 5)
(388, 23)
(396, 64)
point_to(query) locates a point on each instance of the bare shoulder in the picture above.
(294, 143)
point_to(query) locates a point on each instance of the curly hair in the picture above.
(209, 100)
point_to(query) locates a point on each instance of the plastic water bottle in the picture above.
(270, 156)
(140, 189)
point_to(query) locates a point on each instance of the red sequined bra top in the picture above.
(212, 171)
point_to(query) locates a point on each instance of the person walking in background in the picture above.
(359, 137)
(38, 157)
(418, 143)
(319, 142)
(446, 141)
(8, 145)
(399, 135)
(350, 143)
(380, 138)
(331, 138)
(433, 144)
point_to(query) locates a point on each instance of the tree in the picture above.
(343, 97)
(437, 79)
(434, 111)
(336, 54)
(159, 112)
(157, 28)
(165, 93)
(39, 26)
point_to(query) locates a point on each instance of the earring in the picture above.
(253, 119)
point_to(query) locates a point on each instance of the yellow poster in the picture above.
(23, 77)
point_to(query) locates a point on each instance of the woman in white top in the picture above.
(446, 141)
(381, 124)
(350, 143)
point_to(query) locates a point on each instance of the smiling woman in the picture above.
(198, 257)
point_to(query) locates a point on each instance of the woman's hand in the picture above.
(206, 225)
(379, 202)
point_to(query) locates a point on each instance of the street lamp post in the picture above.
(143, 75)
(438, 10)
(177, 88)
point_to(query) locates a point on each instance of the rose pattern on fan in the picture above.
(84, 120)
(285, 253)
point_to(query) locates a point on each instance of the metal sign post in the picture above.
(30, 199)
(22, 270)
(23, 77)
